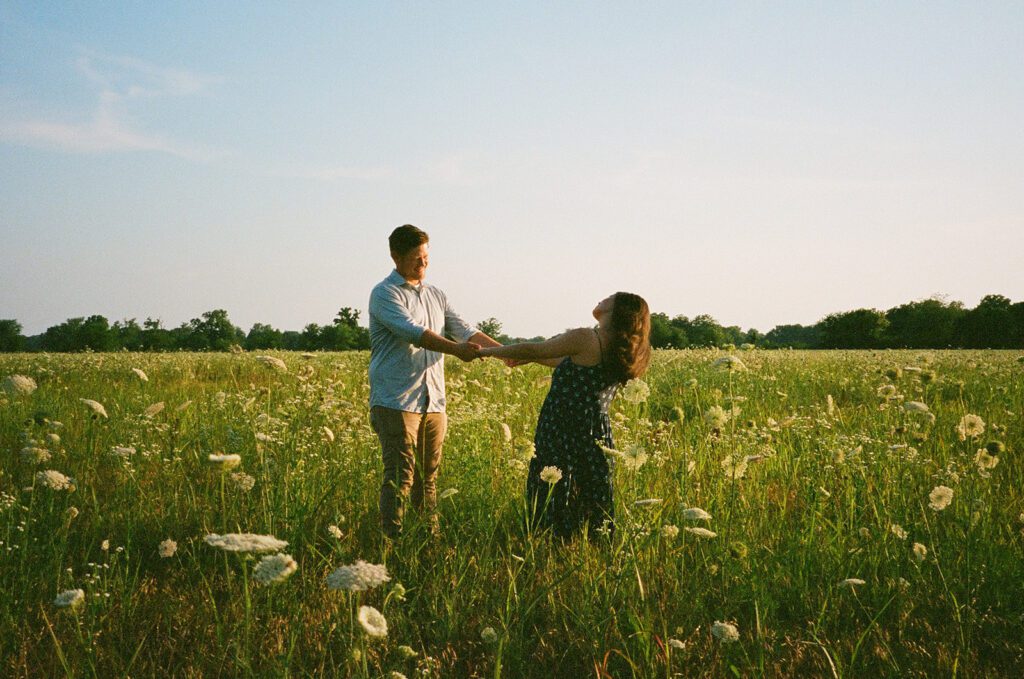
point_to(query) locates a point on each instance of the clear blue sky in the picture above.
(765, 163)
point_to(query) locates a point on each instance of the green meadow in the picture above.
(862, 516)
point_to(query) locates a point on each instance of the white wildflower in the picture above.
(54, 480)
(35, 455)
(728, 363)
(676, 644)
(716, 417)
(274, 568)
(153, 409)
(141, 375)
(898, 531)
(447, 493)
(735, 466)
(358, 577)
(374, 624)
(273, 362)
(506, 432)
(696, 514)
(701, 532)
(635, 391)
(70, 598)
(224, 462)
(243, 482)
(167, 548)
(245, 542)
(670, 531)
(970, 426)
(96, 407)
(328, 434)
(334, 531)
(726, 631)
(551, 475)
(916, 407)
(851, 582)
(940, 497)
(984, 460)
(919, 551)
(19, 385)
(488, 635)
(648, 501)
(407, 652)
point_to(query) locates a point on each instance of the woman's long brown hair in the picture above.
(629, 351)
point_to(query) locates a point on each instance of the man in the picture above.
(408, 323)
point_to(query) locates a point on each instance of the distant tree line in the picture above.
(213, 331)
(934, 323)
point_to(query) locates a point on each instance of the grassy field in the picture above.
(828, 550)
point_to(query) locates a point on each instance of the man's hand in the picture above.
(468, 351)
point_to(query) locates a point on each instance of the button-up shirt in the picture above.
(404, 376)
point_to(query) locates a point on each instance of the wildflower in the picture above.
(735, 466)
(105, 545)
(374, 624)
(984, 460)
(738, 550)
(97, 408)
(864, 533)
(274, 568)
(647, 501)
(398, 591)
(940, 497)
(916, 407)
(153, 409)
(970, 426)
(141, 375)
(696, 514)
(527, 450)
(35, 455)
(551, 475)
(716, 417)
(729, 363)
(54, 439)
(920, 552)
(358, 577)
(243, 481)
(488, 635)
(334, 531)
(669, 531)
(72, 513)
(851, 582)
(447, 493)
(71, 598)
(506, 432)
(887, 391)
(19, 385)
(726, 631)
(167, 548)
(273, 362)
(395, 674)
(328, 434)
(407, 652)
(123, 452)
(54, 480)
(701, 532)
(245, 542)
(224, 462)
(676, 644)
(898, 531)
(635, 391)
(633, 457)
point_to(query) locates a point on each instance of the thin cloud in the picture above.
(119, 83)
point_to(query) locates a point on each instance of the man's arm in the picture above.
(467, 351)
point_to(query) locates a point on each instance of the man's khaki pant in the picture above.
(411, 450)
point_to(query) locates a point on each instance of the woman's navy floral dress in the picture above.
(572, 427)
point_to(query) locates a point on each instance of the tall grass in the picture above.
(832, 463)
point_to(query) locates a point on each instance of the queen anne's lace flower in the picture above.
(275, 568)
(245, 542)
(551, 474)
(70, 598)
(358, 577)
(940, 497)
(726, 631)
(373, 622)
(19, 385)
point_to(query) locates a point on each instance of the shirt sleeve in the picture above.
(386, 306)
(454, 326)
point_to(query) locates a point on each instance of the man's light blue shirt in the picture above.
(404, 376)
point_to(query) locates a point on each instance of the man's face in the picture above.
(412, 266)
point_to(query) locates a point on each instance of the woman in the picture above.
(590, 364)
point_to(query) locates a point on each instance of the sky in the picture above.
(764, 163)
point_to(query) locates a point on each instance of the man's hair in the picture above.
(405, 238)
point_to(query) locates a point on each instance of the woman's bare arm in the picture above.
(549, 352)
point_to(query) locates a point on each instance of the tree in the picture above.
(213, 332)
(796, 336)
(348, 334)
(155, 337)
(490, 327)
(11, 338)
(263, 336)
(928, 323)
(989, 325)
(859, 329)
(128, 334)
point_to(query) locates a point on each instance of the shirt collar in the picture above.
(397, 279)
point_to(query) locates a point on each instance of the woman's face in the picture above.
(604, 307)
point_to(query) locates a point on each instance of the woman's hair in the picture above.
(405, 238)
(629, 351)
